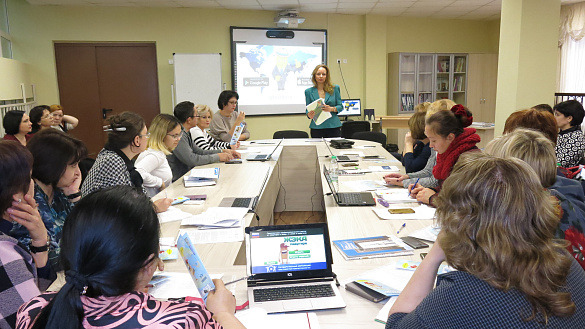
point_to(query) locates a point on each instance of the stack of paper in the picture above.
(172, 214)
(395, 195)
(384, 168)
(320, 115)
(428, 233)
(202, 177)
(217, 217)
(257, 318)
(420, 212)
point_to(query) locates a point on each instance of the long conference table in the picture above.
(295, 183)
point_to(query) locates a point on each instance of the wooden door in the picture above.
(97, 76)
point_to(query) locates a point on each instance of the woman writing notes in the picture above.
(322, 88)
(510, 272)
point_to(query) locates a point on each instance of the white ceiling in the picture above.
(444, 9)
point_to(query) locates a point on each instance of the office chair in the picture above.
(348, 128)
(290, 134)
(372, 136)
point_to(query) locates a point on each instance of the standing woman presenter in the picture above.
(322, 88)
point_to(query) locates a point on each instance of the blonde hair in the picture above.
(504, 236)
(327, 86)
(531, 146)
(202, 109)
(440, 105)
(161, 125)
(422, 107)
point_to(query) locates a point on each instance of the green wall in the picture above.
(194, 30)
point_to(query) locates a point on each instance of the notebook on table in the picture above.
(349, 198)
(289, 268)
(263, 157)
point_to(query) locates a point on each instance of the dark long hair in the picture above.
(53, 151)
(15, 164)
(107, 239)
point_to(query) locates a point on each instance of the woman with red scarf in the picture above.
(449, 136)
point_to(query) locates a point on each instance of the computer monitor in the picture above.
(351, 107)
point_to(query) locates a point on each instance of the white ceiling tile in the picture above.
(470, 2)
(413, 14)
(395, 4)
(238, 2)
(356, 5)
(353, 11)
(277, 7)
(308, 2)
(442, 15)
(460, 10)
(279, 2)
(156, 3)
(392, 11)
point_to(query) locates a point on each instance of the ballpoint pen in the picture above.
(401, 227)
(413, 186)
(234, 281)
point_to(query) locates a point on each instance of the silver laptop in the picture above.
(349, 198)
(249, 203)
(289, 268)
(343, 158)
(263, 157)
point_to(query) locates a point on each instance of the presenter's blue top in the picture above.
(312, 94)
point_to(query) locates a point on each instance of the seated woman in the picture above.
(199, 133)
(21, 269)
(571, 142)
(424, 177)
(127, 137)
(62, 121)
(510, 271)
(450, 138)
(57, 178)
(152, 164)
(416, 144)
(40, 118)
(224, 123)
(534, 119)
(539, 152)
(17, 126)
(107, 271)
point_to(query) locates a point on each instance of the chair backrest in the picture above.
(372, 136)
(350, 127)
(290, 134)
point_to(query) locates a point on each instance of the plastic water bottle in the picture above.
(334, 173)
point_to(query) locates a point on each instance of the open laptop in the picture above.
(349, 198)
(342, 158)
(289, 268)
(263, 157)
(249, 203)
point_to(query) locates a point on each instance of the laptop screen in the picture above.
(288, 251)
(328, 179)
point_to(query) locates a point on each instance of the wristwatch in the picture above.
(44, 248)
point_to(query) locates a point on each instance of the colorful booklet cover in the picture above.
(378, 246)
(237, 133)
(195, 266)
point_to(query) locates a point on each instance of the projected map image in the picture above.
(274, 74)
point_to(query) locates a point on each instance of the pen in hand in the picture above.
(413, 186)
(234, 281)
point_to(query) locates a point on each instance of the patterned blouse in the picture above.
(132, 310)
(570, 147)
(53, 216)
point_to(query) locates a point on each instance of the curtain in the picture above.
(572, 49)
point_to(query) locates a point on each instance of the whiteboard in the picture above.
(197, 78)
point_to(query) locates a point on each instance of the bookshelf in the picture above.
(425, 77)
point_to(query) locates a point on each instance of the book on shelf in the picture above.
(372, 247)
(407, 102)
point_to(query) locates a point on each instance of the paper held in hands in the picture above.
(320, 115)
(237, 133)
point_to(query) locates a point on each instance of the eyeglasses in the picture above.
(233, 103)
(46, 116)
(175, 137)
(147, 135)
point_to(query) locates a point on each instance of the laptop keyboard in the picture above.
(241, 202)
(293, 292)
(354, 198)
(260, 156)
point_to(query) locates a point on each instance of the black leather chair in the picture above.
(290, 134)
(372, 136)
(348, 128)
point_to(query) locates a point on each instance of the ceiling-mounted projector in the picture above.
(289, 18)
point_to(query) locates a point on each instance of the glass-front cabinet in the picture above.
(428, 77)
